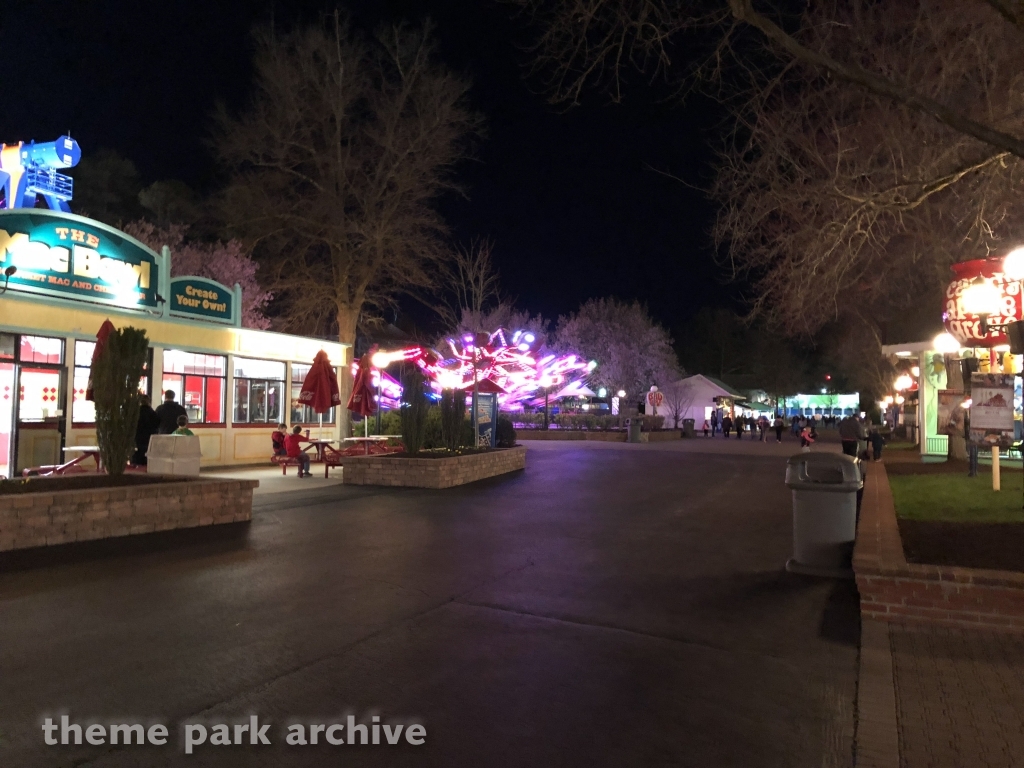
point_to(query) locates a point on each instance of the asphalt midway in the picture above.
(612, 605)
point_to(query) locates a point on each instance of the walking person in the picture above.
(849, 434)
(806, 439)
(149, 424)
(779, 426)
(707, 428)
(714, 423)
(726, 426)
(740, 423)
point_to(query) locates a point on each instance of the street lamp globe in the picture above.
(981, 297)
(946, 343)
(1013, 264)
(904, 382)
(621, 393)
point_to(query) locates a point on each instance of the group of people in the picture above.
(760, 426)
(169, 418)
(856, 435)
(290, 444)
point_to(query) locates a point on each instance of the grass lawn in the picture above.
(958, 498)
(898, 446)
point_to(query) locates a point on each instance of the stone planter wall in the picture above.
(60, 517)
(893, 590)
(432, 473)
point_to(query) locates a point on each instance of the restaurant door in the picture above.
(32, 393)
(39, 418)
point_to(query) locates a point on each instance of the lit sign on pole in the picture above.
(66, 256)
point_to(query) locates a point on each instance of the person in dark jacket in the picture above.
(726, 426)
(149, 423)
(169, 411)
(740, 423)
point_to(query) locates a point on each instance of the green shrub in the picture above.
(651, 423)
(390, 423)
(116, 390)
(453, 414)
(504, 432)
(467, 439)
(413, 415)
(432, 430)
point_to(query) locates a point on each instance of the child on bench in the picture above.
(277, 438)
(293, 445)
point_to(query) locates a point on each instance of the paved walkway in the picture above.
(610, 606)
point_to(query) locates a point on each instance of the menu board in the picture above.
(992, 409)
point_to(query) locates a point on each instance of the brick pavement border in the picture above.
(877, 736)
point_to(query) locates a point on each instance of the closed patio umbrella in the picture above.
(320, 387)
(101, 342)
(361, 400)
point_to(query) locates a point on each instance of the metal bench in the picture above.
(285, 461)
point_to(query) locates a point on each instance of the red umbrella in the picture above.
(101, 342)
(362, 401)
(320, 387)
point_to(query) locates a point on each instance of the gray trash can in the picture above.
(825, 487)
(687, 427)
(633, 430)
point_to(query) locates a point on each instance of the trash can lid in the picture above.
(824, 472)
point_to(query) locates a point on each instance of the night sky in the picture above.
(569, 197)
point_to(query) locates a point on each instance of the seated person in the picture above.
(277, 438)
(183, 427)
(293, 446)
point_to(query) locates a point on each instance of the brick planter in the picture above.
(59, 517)
(432, 473)
(891, 589)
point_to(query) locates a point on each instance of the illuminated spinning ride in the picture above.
(520, 366)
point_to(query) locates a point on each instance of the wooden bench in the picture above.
(285, 461)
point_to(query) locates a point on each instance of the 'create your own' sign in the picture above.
(71, 257)
(200, 297)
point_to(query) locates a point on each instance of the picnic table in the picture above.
(319, 448)
(87, 451)
(368, 441)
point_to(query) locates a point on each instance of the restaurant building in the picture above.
(62, 275)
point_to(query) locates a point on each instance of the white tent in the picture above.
(576, 389)
(692, 398)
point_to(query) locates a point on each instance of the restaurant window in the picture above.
(303, 414)
(198, 382)
(84, 411)
(259, 391)
(41, 349)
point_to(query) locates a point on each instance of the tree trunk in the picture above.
(347, 320)
(956, 444)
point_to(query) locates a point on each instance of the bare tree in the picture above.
(873, 143)
(599, 41)
(335, 167)
(469, 282)
(679, 399)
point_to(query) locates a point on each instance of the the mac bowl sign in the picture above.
(965, 326)
(71, 257)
